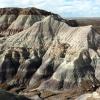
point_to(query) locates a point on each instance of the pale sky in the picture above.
(65, 8)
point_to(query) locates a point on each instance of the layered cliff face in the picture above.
(47, 53)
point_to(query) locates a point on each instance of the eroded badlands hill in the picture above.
(14, 20)
(47, 53)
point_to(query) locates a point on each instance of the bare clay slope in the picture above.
(67, 53)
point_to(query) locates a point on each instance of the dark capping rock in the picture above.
(24, 11)
(72, 23)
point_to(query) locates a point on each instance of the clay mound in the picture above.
(68, 60)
